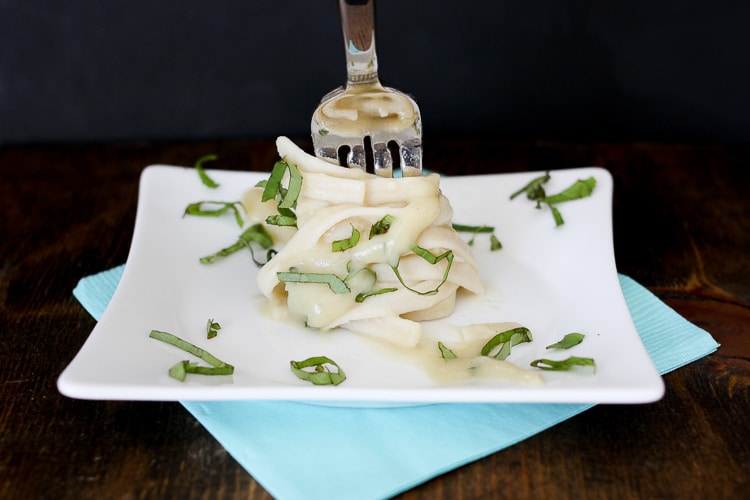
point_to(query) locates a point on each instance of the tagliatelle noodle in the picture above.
(332, 201)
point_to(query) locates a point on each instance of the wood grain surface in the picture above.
(682, 229)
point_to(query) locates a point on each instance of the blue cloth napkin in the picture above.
(298, 450)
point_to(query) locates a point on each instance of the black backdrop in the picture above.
(656, 70)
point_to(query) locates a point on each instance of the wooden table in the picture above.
(682, 229)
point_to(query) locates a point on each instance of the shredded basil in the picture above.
(281, 220)
(285, 197)
(273, 183)
(362, 296)
(212, 329)
(371, 278)
(568, 341)
(181, 369)
(202, 173)
(559, 221)
(534, 189)
(535, 192)
(254, 234)
(505, 340)
(371, 275)
(205, 209)
(346, 244)
(495, 243)
(564, 364)
(321, 374)
(382, 226)
(463, 228)
(432, 259)
(445, 352)
(335, 283)
(579, 189)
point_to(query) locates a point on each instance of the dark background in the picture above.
(583, 70)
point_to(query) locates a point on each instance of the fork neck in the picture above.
(358, 24)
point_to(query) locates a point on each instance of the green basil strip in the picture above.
(372, 276)
(199, 209)
(463, 228)
(346, 244)
(510, 338)
(495, 243)
(293, 189)
(288, 212)
(178, 372)
(562, 365)
(382, 226)
(202, 173)
(516, 339)
(269, 255)
(432, 259)
(212, 329)
(362, 296)
(254, 234)
(445, 352)
(273, 189)
(534, 189)
(579, 189)
(273, 184)
(257, 234)
(335, 283)
(187, 347)
(559, 221)
(281, 220)
(321, 374)
(568, 341)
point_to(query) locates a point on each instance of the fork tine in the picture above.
(382, 160)
(357, 158)
(327, 153)
(411, 158)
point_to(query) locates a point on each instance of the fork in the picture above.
(364, 124)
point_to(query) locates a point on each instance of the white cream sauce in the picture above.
(468, 365)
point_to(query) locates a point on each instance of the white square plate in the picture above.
(553, 280)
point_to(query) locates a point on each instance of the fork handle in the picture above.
(358, 25)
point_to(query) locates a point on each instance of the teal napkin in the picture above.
(298, 450)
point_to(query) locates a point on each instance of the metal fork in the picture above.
(365, 123)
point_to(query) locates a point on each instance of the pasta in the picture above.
(400, 283)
